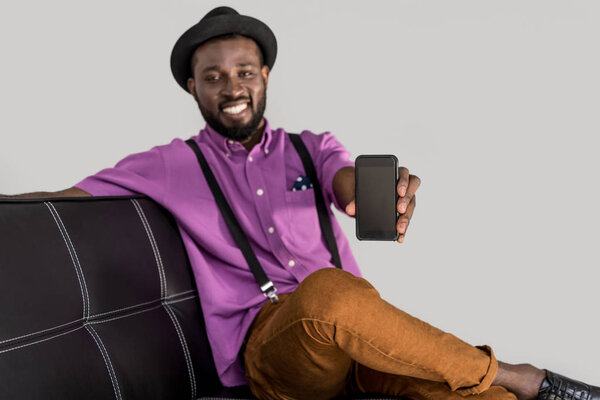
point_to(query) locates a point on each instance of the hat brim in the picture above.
(218, 26)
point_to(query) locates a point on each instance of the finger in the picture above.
(410, 209)
(402, 224)
(351, 208)
(403, 181)
(413, 185)
(404, 220)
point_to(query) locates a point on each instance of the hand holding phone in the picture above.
(376, 197)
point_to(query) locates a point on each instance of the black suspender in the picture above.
(266, 286)
(324, 221)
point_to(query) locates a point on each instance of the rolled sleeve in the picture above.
(329, 156)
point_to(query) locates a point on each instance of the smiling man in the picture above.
(328, 332)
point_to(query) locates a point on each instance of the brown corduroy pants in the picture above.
(335, 336)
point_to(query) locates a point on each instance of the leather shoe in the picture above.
(558, 387)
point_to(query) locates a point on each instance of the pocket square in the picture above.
(302, 183)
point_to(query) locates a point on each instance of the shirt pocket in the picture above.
(303, 217)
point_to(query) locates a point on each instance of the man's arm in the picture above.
(70, 192)
(343, 186)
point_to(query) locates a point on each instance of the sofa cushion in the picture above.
(97, 300)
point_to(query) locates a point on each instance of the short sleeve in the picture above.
(140, 173)
(329, 156)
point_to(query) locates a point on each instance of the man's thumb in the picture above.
(351, 208)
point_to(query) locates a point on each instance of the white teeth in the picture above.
(235, 109)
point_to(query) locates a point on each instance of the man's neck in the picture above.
(255, 137)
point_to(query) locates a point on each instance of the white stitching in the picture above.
(109, 361)
(123, 309)
(186, 352)
(142, 304)
(87, 295)
(181, 299)
(160, 262)
(39, 341)
(161, 277)
(72, 258)
(180, 293)
(162, 267)
(33, 333)
(94, 322)
(139, 312)
(105, 356)
(106, 313)
(123, 316)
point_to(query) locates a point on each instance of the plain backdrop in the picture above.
(493, 104)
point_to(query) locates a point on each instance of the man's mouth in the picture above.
(235, 109)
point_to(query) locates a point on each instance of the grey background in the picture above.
(494, 104)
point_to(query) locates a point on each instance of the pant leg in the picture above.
(303, 348)
(367, 380)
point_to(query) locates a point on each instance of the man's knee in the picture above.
(333, 280)
(332, 290)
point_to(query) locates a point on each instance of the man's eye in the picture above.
(246, 74)
(211, 78)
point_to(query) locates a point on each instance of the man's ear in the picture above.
(264, 71)
(191, 85)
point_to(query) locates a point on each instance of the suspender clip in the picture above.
(269, 290)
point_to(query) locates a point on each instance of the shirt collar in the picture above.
(223, 143)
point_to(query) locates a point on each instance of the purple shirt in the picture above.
(281, 225)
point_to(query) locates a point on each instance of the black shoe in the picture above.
(558, 387)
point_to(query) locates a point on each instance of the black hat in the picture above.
(220, 21)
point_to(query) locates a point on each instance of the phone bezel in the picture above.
(363, 161)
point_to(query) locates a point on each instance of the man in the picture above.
(330, 333)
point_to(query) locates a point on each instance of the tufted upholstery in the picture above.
(97, 301)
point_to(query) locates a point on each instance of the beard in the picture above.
(240, 132)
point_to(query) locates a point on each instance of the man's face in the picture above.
(229, 85)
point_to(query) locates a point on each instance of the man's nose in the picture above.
(233, 88)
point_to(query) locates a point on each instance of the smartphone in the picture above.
(376, 197)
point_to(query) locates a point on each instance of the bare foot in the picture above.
(523, 380)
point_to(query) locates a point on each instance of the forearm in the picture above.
(343, 186)
(26, 195)
(70, 192)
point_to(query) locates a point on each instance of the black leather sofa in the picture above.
(98, 301)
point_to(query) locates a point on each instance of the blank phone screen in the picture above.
(376, 198)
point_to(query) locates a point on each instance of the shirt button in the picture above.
(266, 151)
(250, 158)
(271, 229)
(230, 141)
(226, 154)
(291, 263)
(259, 192)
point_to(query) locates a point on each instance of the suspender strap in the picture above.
(324, 220)
(266, 286)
